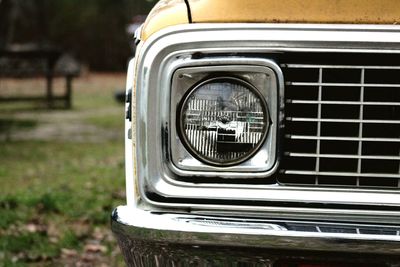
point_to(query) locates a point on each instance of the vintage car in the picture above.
(264, 133)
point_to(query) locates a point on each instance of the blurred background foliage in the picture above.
(62, 171)
(94, 31)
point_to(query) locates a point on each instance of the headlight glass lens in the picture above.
(224, 121)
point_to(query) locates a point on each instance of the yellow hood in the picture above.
(173, 12)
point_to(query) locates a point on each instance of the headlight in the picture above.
(224, 121)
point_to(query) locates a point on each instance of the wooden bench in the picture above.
(33, 62)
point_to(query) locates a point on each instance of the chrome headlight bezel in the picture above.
(265, 78)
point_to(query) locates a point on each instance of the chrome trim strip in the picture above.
(350, 174)
(343, 84)
(341, 156)
(342, 138)
(311, 66)
(206, 230)
(342, 120)
(172, 46)
(355, 103)
(130, 132)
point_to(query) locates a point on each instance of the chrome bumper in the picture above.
(163, 235)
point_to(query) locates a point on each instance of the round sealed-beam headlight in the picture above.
(223, 121)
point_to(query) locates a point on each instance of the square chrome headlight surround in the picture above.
(164, 53)
(164, 166)
(265, 78)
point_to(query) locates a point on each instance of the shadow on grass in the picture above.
(9, 125)
(14, 108)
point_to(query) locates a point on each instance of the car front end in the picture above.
(270, 143)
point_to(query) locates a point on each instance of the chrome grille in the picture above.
(342, 125)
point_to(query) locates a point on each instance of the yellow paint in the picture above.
(304, 11)
(172, 12)
(165, 13)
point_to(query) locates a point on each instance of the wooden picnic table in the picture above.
(30, 61)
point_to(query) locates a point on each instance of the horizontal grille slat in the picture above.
(343, 120)
(306, 137)
(349, 174)
(342, 84)
(343, 156)
(311, 66)
(342, 125)
(291, 101)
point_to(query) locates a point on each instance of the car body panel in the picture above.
(174, 12)
(173, 222)
(165, 13)
(303, 11)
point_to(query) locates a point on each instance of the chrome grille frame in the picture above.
(363, 86)
(180, 43)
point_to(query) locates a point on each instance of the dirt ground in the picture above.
(59, 124)
(63, 126)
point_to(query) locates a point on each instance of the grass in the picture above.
(107, 121)
(7, 124)
(57, 193)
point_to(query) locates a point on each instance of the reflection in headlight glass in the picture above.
(224, 121)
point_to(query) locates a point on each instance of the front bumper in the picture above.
(166, 239)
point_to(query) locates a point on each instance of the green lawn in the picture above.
(61, 174)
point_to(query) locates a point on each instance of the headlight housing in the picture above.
(223, 121)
